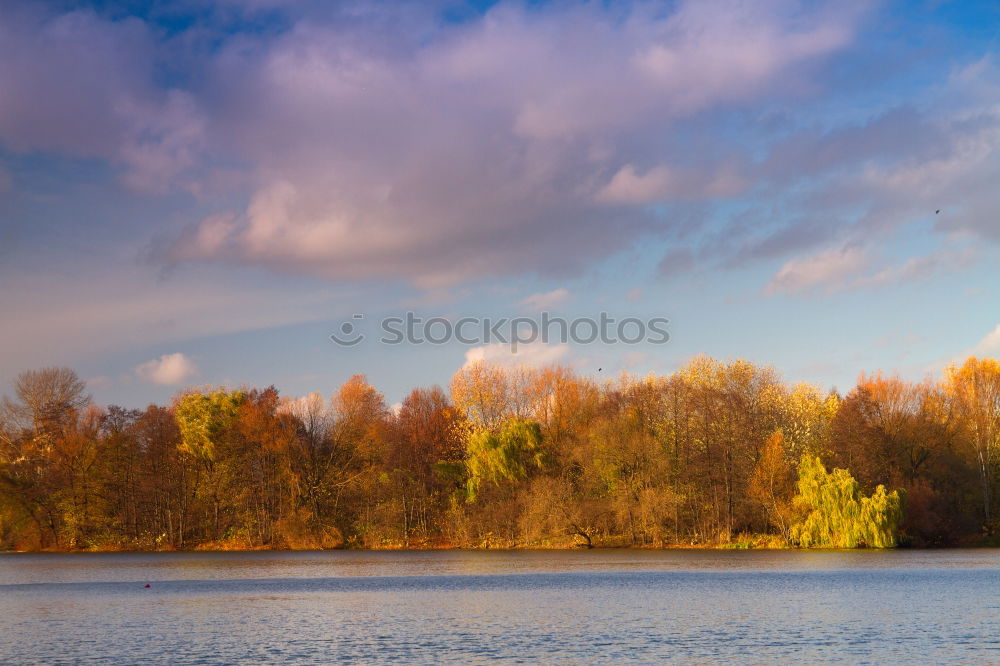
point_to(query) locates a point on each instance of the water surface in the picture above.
(473, 606)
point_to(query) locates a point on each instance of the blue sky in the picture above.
(200, 193)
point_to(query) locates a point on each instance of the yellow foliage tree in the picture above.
(975, 390)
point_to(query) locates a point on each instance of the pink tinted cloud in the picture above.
(483, 152)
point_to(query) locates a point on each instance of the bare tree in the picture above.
(46, 398)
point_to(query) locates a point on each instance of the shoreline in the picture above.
(445, 548)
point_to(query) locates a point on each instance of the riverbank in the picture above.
(761, 545)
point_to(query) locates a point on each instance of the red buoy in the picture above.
(147, 584)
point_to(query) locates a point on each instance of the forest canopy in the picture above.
(717, 453)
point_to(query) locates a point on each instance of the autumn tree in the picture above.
(628, 463)
(361, 429)
(40, 438)
(425, 459)
(975, 389)
(807, 418)
(166, 478)
(319, 467)
(773, 484)
(260, 440)
(481, 391)
(205, 421)
(46, 399)
(515, 456)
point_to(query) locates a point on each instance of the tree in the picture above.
(166, 478)
(203, 418)
(423, 439)
(481, 391)
(808, 415)
(47, 399)
(361, 417)
(505, 456)
(975, 389)
(319, 466)
(526, 455)
(772, 484)
(259, 481)
(835, 514)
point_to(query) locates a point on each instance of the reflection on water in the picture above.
(562, 606)
(94, 567)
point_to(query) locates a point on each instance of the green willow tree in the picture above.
(505, 456)
(837, 515)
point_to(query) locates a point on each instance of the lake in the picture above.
(477, 606)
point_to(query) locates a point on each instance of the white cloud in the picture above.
(168, 370)
(535, 354)
(664, 183)
(989, 346)
(850, 268)
(831, 270)
(545, 300)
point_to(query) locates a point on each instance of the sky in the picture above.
(201, 193)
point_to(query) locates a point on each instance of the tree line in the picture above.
(717, 453)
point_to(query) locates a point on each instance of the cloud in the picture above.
(516, 141)
(917, 268)
(952, 170)
(545, 300)
(168, 370)
(81, 85)
(863, 179)
(99, 382)
(851, 268)
(989, 346)
(384, 143)
(535, 354)
(162, 141)
(676, 262)
(664, 183)
(830, 269)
